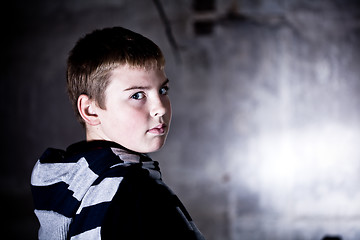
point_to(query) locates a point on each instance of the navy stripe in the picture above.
(56, 197)
(109, 159)
(89, 218)
(52, 155)
(100, 160)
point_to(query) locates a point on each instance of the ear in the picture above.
(87, 109)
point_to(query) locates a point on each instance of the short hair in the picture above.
(96, 54)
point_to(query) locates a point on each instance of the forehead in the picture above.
(124, 77)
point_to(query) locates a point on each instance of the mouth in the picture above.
(158, 130)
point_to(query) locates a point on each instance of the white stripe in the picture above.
(82, 180)
(53, 226)
(45, 174)
(77, 175)
(93, 234)
(103, 192)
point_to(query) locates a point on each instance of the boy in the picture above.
(107, 187)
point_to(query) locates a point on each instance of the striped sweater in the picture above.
(100, 190)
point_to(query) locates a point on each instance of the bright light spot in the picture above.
(306, 172)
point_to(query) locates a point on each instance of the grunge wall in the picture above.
(266, 120)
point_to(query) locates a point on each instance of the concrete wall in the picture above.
(266, 125)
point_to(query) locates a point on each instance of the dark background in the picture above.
(266, 119)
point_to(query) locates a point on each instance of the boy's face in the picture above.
(137, 110)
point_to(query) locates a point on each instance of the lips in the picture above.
(158, 130)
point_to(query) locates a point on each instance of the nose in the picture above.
(159, 107)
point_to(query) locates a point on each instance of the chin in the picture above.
(153, 148)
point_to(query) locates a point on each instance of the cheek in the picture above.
(131, 119)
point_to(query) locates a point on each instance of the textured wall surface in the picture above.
(266, 119)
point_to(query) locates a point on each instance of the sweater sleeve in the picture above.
(145, 208)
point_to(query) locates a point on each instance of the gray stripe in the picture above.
(53, 226)
(77, 175)
(103, 192)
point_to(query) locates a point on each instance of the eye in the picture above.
(164, 90)
(138, 96)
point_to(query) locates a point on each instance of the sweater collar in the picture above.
(123, 153)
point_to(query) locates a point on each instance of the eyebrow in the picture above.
(145, 87)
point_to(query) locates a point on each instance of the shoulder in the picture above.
(145, 205)
(52, 155)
